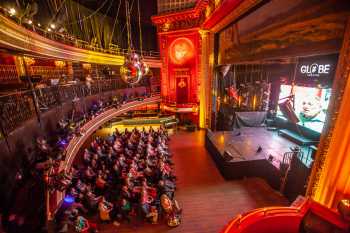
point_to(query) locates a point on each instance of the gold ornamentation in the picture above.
(182, 83)
(29, 61)
(166, 27)
(86, 66)
(60, 64)
(341, 79)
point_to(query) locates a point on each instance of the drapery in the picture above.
(249, 119)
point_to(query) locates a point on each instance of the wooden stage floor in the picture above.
(242, 144)
(208, 200)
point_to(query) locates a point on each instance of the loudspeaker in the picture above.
(288, 112)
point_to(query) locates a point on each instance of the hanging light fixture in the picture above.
(134, 68)
(143, 64)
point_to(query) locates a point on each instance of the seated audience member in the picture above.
(166, 187)
(125, 209)
(104, 208)
(132, 170)
(84, 226)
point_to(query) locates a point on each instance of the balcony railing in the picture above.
(67, 39)
(8, 74)
(19, 107)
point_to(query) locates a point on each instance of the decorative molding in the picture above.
(15, 37)
(227, 12)
(182, 15)
(340, 82)
(183, 20)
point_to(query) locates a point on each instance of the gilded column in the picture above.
(20, 66)
(204, 79)
(330, 180)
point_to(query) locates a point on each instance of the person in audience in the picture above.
(104, 208)
(124, 174)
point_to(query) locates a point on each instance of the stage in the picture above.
(236, 153)
(242, 144)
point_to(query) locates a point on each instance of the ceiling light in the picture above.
(39, 25)
(49, 29)
(53, 26)
(30, 21)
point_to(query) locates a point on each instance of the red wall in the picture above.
(180, 54)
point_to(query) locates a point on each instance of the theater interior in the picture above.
(194, 116)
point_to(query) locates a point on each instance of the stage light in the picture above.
(69, 199)
(12, 11)
(53, 26)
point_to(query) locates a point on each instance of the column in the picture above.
(204, 79)
(330, 179)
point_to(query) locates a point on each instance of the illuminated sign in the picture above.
(315, 69)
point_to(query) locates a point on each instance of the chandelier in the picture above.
(134, 67)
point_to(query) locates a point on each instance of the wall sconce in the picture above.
(29, 61)
(60, 64)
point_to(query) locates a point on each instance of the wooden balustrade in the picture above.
(48, 72)
(17, 108)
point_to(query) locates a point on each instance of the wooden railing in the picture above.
(75, 42)
(47, 72)
(16, 108)
(8, 74)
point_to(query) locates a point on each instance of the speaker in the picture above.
(288, 112)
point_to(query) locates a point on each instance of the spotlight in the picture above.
(53, 26)
(49, 30)
(12, 11)
(39, 25)
(30, 21)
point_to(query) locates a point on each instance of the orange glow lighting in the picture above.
(181, 50)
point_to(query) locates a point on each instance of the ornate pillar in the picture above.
(211, 75)
(204, 79)
(70, 72)
(330, 176)
(20, 66)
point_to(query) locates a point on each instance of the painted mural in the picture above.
(295, 33)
